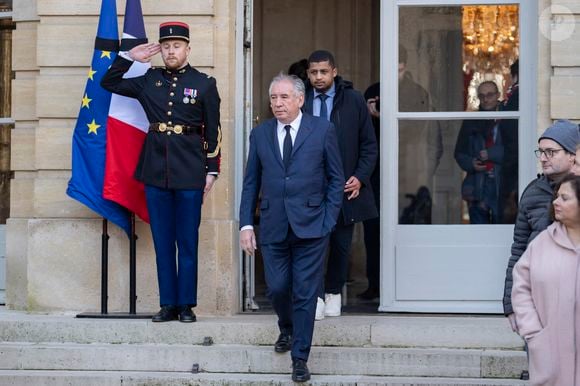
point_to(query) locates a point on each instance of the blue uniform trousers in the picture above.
(293, 270)
(175, 215)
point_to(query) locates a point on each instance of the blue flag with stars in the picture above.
(90, 137)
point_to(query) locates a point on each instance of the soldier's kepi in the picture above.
(173, 30)
(179, 160)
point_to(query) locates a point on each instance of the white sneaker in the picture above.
(319, 309)
(333, 305)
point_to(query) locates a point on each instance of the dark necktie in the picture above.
(287, 148)
(323, 110)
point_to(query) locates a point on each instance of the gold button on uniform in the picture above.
(170, 103)
(175, 79)
(171, 94)
(174, 85)
(169, 113)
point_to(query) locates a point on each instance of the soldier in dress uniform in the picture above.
(179, 161)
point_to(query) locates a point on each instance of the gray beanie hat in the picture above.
(565, 133)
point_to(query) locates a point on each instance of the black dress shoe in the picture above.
(186, 315)
(166, 314)
(283, 344)
(300, 372)
(369, 294)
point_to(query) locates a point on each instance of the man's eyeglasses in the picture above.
(549, 153)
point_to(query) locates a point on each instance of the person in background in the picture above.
(479, 152)
(372, 227)
(420, 149)
(331, 97)
(556, 152)
(576, 167)
(299, 69)
(508, 196)
(546, 294)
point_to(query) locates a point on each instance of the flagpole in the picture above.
(133, 268)
(104, 268)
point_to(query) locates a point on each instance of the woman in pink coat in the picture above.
(546, 293)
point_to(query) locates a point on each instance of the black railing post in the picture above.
(104, 268)
(133, 268)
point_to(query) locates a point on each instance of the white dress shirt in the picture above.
(293, 132)
(281, 131)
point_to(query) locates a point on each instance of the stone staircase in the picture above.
(350, 350)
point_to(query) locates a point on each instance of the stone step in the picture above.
(118, 378)
(381, 330)
(372, 361)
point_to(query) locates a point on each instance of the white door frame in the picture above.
(242, 126)
(528, 20)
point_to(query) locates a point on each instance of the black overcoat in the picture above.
(357, 143)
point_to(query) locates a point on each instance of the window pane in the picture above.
(445, 53)
(458, 172)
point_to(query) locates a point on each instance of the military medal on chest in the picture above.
(189, 95)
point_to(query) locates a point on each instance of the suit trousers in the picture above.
(338, 253)
(372, 238)
(293, 270)
(175, 216)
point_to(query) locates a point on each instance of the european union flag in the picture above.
(90, 137)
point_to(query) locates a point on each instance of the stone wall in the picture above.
(565, 62)
(53, 241)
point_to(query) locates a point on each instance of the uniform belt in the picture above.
(175, 129)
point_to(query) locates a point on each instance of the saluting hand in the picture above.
(144, 52)
(352, 186)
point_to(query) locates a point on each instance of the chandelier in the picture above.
(490, 37)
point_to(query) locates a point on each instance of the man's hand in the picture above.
(352, 186)
(514, 325)
(144, 52)
(483, 155)
(372, 107)
(478, 165)
(209, 181)
(248, 241)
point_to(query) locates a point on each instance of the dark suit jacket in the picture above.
(307, 196)
(357, 143)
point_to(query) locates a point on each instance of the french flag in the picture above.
(127, 126)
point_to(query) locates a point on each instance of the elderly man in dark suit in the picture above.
(295, 163)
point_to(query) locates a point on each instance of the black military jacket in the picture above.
(182, 97)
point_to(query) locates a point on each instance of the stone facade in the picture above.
(53, 242)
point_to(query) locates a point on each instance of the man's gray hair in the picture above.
(297, 83)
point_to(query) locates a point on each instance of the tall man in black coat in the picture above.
(331, 97)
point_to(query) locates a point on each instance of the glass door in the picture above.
(457, 140)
